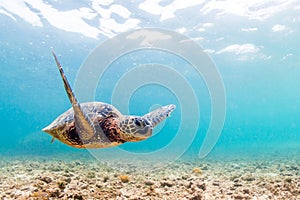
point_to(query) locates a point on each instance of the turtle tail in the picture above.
(158, 115)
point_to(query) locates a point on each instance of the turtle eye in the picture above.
(137, 122)
(146, 122)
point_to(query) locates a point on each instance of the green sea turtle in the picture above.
(100, 125)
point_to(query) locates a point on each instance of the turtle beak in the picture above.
(160, 114)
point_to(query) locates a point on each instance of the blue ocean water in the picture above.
(255, 47)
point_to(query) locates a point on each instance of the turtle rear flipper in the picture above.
(83, 123)
(158, 115)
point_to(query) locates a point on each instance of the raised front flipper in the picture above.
(83, 124)
(158, 115)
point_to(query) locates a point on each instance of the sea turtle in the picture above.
(100, 125)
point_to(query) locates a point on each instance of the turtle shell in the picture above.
(105, 119)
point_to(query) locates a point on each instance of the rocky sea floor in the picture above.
(40, 178)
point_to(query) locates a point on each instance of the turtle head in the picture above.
(160, 114)
(134, 128)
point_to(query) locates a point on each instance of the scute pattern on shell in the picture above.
(111, 130)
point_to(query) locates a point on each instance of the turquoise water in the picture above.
(255, 47)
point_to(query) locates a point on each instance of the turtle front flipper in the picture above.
(83, 124)
(158, 115)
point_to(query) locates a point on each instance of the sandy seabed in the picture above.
(41, 178)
